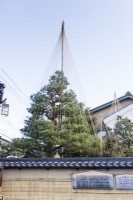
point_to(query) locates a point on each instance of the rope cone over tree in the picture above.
(57, 121)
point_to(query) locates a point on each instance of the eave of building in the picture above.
(125, 112)
(127, 96)
(4, 140)
(67, 163)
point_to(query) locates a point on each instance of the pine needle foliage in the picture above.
(57, 123)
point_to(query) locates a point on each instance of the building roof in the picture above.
(126, 112)
(4, 140)
(127, 96)
(68, 163)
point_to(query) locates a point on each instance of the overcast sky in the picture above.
(100, 37)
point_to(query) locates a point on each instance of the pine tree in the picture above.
(57, 124)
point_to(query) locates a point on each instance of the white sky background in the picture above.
(100, 36)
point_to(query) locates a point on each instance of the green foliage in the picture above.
(119, 143)
(57, 123)
(112, 146)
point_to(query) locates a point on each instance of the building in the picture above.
(4, 141)
(109, 111)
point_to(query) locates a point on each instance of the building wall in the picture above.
(109, 111)
(4, 141)
(55, 184)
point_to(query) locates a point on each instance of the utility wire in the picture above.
(14, 83)
(13, 91)
(17, 97)
(2, 133)
(9, 124)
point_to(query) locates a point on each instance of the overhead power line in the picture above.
(15, 84)
(14, 92)
(4, 134)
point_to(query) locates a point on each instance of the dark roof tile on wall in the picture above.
(63, 163)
